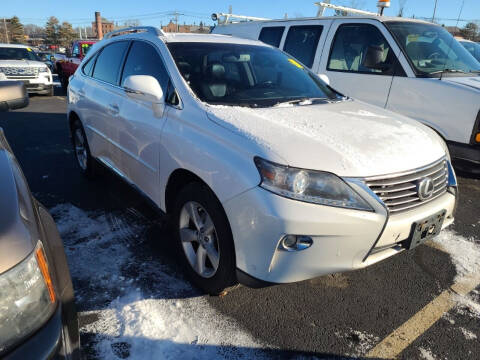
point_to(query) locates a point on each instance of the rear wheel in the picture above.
(82, 151)
(204, 239)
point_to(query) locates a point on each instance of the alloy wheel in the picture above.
(199, 239)
(80, 149)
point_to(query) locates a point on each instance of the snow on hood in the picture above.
(22, 63)
(473, 82)
(350, 138)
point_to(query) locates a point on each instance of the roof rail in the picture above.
(224, 18)
(324, 5)
(135, 29)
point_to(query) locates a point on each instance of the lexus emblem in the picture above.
(425, 188)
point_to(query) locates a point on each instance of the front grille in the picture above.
(16, 72)
(399, 192)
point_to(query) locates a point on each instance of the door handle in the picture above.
(114, 109)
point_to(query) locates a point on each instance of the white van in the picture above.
(412, 67)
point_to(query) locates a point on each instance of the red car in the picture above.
(67, 66)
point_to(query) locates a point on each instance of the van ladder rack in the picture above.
(224, 18)
(326, 5)
(135, 29)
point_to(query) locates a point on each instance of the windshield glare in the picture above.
(246, 75)
(7, 53)
(432, 49)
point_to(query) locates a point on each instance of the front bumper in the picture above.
(466, 157)
(46, 343)
(343, 239)
(40, 84)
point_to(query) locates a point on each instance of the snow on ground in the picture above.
(159, 317)
(358, 342)
(426, 354)
(468, 334)
(465, 253)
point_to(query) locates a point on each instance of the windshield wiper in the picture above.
(450, 71)
(301, 101)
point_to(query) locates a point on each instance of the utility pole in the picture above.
(434, 10)
(6, 31)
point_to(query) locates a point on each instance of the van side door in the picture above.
(361, 60)
(304, 40)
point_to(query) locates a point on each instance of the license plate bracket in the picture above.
(425, 229)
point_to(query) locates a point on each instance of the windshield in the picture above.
(86, 48)
(246, 75)
(473, 48)
(13, 53)
(432, 49)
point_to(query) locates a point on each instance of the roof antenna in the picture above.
(452, 40)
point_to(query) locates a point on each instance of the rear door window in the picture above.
(302, 42)
(88, 67)
(272, 35)
(109, 61)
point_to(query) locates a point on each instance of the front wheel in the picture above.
(204, 239)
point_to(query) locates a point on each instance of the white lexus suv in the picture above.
(268, 174)
(20, 63)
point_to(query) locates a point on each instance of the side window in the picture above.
(302, 42)
(143, 59)
(361, 48)
(76, 50)
(271, 35)
(109, 61)
(88, 67)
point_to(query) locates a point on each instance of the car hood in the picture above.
(348, 138)
(16, 243)
(473, 82)
(21, 63)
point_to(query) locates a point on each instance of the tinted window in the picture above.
(302, 42)
(247, 75)
(109, 61)
(88, 67)
(76, 50)
(143, 59)
(272, 35)
(350, 47)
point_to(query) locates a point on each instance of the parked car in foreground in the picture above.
(20, 63)
(408, 66)
(472, 47)
(269, 175)
(37, 311)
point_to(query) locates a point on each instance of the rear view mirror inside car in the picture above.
(235, 58)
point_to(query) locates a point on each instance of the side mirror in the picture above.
(374, 58)
(143, 87)
(324, 78)
(13, 95)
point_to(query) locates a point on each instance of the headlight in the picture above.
(43, 69)
(315, 187)
(27, 298)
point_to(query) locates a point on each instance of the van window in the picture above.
(302, 42)
(350, 46)
(107, 67)
(143, 59)
(272, 35)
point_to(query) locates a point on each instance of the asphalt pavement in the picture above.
(336, 316)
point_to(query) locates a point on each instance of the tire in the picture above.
(198, 199)
(50, 91)
(81, 150)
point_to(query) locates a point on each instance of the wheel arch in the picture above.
(72, 117)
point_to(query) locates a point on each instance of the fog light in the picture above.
(295, 242)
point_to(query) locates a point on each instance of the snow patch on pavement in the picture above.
(136, 322)
(426, 354)
(465, 253)
(468, 334)
(358, 342)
